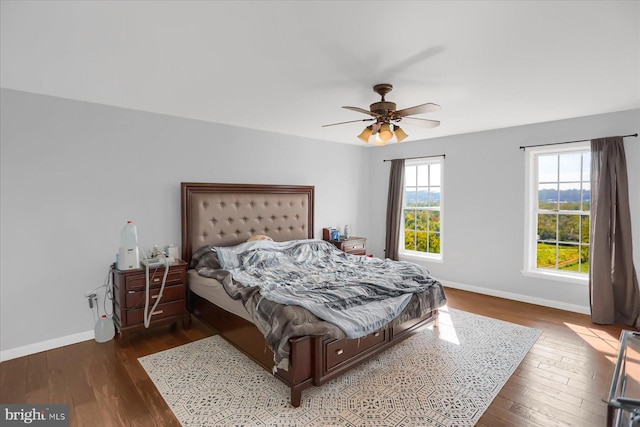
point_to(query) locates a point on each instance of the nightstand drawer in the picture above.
(170, 293)
(138, 282)
(168, 309)
(354, 247)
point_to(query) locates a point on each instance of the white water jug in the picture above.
(104, 330)
(129, 254)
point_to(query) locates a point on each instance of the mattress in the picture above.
(213, 291)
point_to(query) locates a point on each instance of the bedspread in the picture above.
(309, 287)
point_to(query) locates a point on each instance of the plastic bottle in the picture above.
(129, 235)
(104, 330)
(129, 254)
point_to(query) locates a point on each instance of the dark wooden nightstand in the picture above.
(129, 289)
(353, 245)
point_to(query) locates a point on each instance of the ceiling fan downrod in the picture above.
(383, 107)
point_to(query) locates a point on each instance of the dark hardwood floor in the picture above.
(562, 379)
(560, 382)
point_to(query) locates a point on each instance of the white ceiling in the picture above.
(289, 66)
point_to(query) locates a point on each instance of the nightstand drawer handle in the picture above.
(339, 352)
(157, 312)
(154, 296)
(156, 280)
(377, 334)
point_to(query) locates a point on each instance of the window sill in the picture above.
(422, 258)
(577, 280)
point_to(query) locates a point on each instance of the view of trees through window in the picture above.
(564, 201)
(422, 207)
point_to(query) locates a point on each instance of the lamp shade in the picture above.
(385, 132)
(400, 134)
(366, 134)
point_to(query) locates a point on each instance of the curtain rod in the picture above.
(522, 147)
(419, 157)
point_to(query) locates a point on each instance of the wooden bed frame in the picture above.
(228, 214)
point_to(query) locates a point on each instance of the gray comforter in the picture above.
(309, 287)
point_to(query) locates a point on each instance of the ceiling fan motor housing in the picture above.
(383, 107)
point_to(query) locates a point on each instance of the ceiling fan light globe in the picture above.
(400, 134)
(366, 134)
(385, 132)
(379, 141)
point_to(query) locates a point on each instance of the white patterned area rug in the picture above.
(445, 376)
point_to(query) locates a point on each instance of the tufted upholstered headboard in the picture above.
(228, 214)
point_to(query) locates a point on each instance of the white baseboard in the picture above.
(518, 297)
(14, 353)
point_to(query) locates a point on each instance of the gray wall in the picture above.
(483, 238)
(73, 173)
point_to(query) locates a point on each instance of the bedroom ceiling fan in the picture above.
(386, 118)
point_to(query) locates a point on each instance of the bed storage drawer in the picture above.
(409, 325)
(339, 351)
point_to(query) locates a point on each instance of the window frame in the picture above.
(531, 214)
(416, 255)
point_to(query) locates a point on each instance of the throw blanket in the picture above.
(354, 295)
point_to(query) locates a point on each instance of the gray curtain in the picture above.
(394, 209)
(613, 284)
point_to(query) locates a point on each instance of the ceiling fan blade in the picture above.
(351, 121)
(418, 109)
(425, 123)
(362, 110)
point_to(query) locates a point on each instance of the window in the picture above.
(558, 207)
(422, 204)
